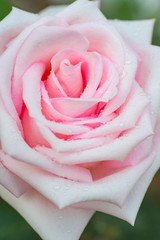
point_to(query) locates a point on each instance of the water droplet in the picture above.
(125, 135)
(123, 74)
(128, 62)
(60, 217)
(121, 124)
(57, 187)
(70, 131)
(152, 113)
(67, 187)
(69, 231)
(86, 189)
(142, 94)
(121, 138)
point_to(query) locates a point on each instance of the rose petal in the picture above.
(104, 39)
(148, 77)
(75, 173)
(82, 11)
(30, 126)
(63, 192)
(46, 218)
(52, 10)
(118, 149)
(110, 78)
(10, 181)
(14, 145)
(32, 99)
(57, 87)
(135, 196)
(126, 117)
(13, 24)
(135, 31)
(60, 145)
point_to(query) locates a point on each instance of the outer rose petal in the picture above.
(135, 31)
(128, 210)
(82, 11)
(114, 188)
(50, 222)
(52, 10)
(13, 24)
(10, 181)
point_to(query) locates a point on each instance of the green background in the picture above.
(102, 226)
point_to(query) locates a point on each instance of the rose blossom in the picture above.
(79, 116)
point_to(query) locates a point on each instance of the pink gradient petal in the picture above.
(10, 181)
(127, 116)
(14, 146)
(135, 195)
(95, 70)
(43, 37)
(75, 107)
(63, 192)
(13, 24)
(104, 39)
(61, 80)
(50, 113)
(9, 57)
(32, 99)
(110, 78)
(71, 145)
(70, 78)
(125, 83)
(118, 149)
(75, 173)
(30, 126)
(82, 11)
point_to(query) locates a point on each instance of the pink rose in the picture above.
(79, 116)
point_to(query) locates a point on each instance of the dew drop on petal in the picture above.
(121, 124)
(57, 187)
(60, 217)
(128, 62)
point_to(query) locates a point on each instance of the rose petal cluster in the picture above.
(79, 116)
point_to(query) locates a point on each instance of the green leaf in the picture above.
(5, 8)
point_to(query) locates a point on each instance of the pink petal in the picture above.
(118, 149)
(127, 116)
(63, 192)
(75, 107)
(13, 24)
(75, 173)
(32, 99)
(30, 126)
(70, 76)
(104, 39)
(110, 78)
(95, 70)
(10, 181)
(14, 145)
(148, 77)
(82, 11)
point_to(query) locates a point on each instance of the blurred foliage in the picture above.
(102, 226)
(5, 8)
